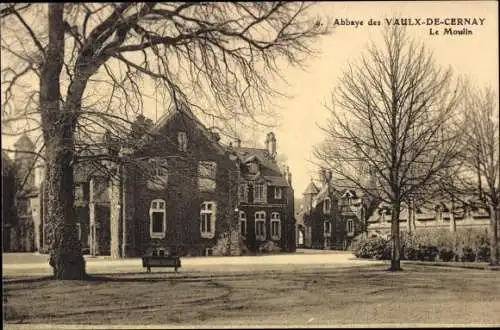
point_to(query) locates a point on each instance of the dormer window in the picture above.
(182, 141)
(278, 192)
(259, 193)
(253, 168)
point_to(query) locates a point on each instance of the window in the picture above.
(327, 205)
(243, 192)
(158, 175)
(79, 231)
(275, 226)
(182, 140)
(206, 175)
(327, 228)
(79, 196)
(278, 192)
(350, 227)
(259, 193)
(243, 224)
(207, 219)
(253, 168)
(157, 219)
(260, 226)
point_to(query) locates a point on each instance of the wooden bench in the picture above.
(159, 258)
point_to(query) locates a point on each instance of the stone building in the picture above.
(439, 214)
(266, 198)
(180, 189)
(330, 217)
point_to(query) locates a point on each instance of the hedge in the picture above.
(429, 245)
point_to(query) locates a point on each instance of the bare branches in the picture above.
(393, 109)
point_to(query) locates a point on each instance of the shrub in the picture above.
(483, 253)
(446, 254)
(371, 247)
(468, 254)
(270, 247)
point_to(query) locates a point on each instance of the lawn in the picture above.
(306, 297)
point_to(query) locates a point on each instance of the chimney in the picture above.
(329, 175)
(271, 144)
(289, 176)
(238, 143)
(322, 176)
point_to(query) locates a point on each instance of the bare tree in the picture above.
(482, 172)
(91, 60)
(394, 117)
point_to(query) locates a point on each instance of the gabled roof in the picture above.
(262, 155)
(311, 189)
(24, 143)
(185, 111)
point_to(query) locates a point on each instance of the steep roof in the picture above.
(262, 155)
(24, 143)
(185, 111)
(311, 189)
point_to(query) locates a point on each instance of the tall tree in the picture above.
(482, 156)
(393, 116)
(91, 59)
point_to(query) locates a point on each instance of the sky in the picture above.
(475, 56)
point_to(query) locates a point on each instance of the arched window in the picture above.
(158, 219)
(275, 226)
(327, 228)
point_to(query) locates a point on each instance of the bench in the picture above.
(158, 258)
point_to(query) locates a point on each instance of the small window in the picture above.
(327, 228)
(327, 205)
(275, 226)
(158, 219)
(243, 224)
(259, 194)
(79, 195)
(278, 193)
(207, 172)
(79, 231)
(182, 140)
(260, 226)
(207, 219)
(350, 227)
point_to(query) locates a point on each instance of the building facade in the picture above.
(179, 189)
(431, 215)
(265, 198)
(330, 217)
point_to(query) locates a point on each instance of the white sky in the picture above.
(473, 55)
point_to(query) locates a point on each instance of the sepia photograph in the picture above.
(260, 164)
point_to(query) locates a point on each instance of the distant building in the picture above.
(432, 215)
(330, 217)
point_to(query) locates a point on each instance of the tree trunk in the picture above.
(494, 235)
(453, 222)
(64, 247)
(395, 238)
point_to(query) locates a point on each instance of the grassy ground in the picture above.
(298, 297)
